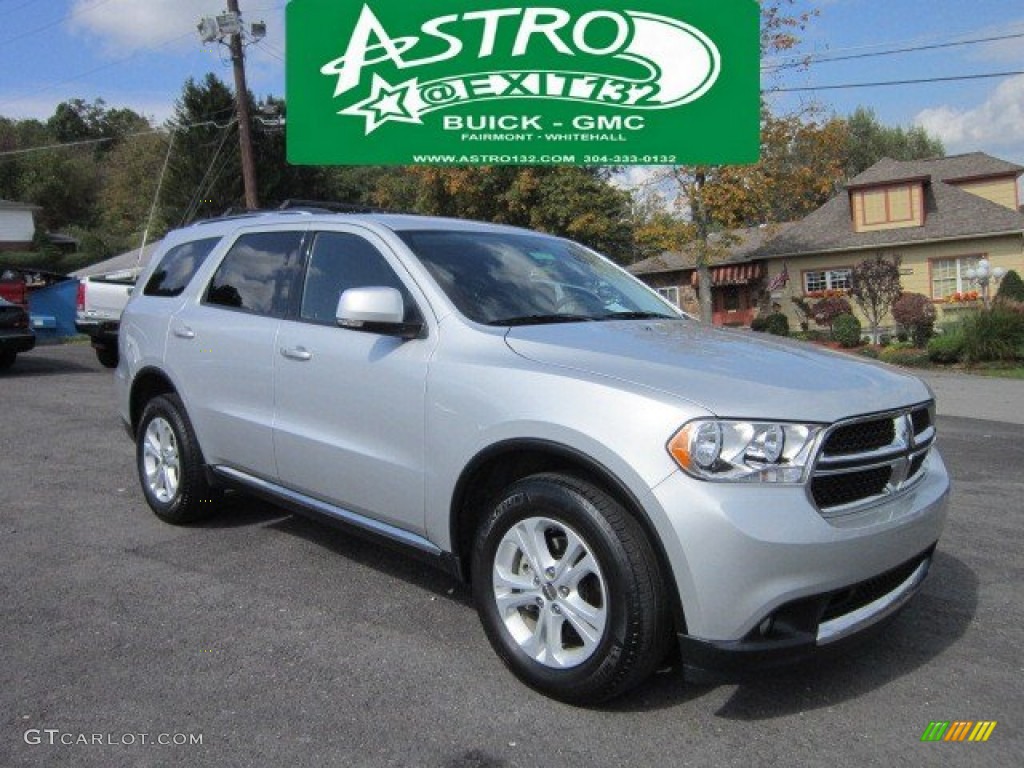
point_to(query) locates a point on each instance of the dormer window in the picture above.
(890, 207)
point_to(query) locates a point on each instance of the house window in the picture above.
(887, 206)
(671, 294)
(949, 276)
(827, 280)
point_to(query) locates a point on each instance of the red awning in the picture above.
(739, 274)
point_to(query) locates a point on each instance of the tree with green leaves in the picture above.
(79, 120)
(204, 175)
(869, 141)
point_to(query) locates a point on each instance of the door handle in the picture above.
(297, 353)
(184, 332)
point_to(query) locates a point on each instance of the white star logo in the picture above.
(387, 103)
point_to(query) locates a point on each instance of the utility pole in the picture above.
(244, 120)
(228, 26)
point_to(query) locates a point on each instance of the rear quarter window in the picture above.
(178, 266)
(258, 274)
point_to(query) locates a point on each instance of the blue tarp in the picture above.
(53, 310)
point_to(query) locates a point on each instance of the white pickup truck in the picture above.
(101, 299)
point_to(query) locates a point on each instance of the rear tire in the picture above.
(107, 356)
(569, 591)
(170, 464)
(7, 359)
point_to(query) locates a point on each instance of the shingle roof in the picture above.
(128, 260)
(967, 166)
(950, 212)
(742, 245)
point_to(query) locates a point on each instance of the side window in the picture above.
(178, 266)
(258, 274)
(340, 261)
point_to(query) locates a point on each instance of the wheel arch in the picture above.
(147, 384)
(503, 463)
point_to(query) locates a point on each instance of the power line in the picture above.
(51, 24)
(926, 40)
(108, 65)
(87, 142)
(827, 58)
(19, 7)
(202, 187)
(918, 81)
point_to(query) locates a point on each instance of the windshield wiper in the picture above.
(634, 316)
(541, 320)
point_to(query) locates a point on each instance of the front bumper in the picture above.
(820, 625)
(764, 579)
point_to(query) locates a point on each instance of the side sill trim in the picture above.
(842, 626)
(329, 510)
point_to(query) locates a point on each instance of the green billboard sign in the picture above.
(586, 82)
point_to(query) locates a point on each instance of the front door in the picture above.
(349, 419)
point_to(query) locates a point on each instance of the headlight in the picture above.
(745, 451)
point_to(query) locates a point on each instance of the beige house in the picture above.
(939, 216)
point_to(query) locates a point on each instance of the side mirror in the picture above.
(376, 310)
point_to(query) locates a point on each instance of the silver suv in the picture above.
(613, 478)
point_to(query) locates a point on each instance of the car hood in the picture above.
(729, 373)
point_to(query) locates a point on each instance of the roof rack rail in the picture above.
(243, 213)
(328, 206)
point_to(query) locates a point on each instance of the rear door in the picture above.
(349, 426)
(221, 348)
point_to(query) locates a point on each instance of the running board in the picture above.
(307, 504)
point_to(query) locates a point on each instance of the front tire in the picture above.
(568, 590)
(7, 358)
(170, 464)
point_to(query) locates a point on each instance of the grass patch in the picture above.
(995, 370)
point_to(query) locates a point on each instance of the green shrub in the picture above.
(947, 348)
(994, 334)
(869, 351)
(1011, 287)
(759, 323)
(908, 356)
(846, 330)
(777, 324)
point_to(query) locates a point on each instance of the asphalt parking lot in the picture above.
(280, 642)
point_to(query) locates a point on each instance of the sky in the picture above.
(138, 53)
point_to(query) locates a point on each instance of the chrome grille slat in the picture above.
(864, 460)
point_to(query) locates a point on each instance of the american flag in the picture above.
(779, 280)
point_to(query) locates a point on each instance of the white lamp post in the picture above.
(983, 275)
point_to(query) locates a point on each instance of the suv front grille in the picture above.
(837, 490)
(860, 437)
(868, 458)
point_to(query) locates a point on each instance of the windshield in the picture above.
(500, 278)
